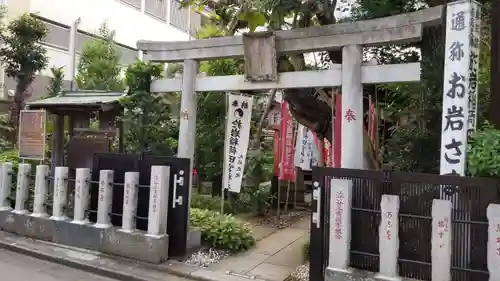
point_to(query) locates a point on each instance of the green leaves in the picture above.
(483, 158)
(221, 231)
(99, 63)
(254, 19)
(147, 119)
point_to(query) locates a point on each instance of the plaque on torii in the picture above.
(260, 56)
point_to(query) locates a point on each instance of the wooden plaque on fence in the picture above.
(260, 57)
(31, 141)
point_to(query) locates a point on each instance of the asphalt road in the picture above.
(23, 268)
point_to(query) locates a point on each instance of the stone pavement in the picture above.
(20, 267)
(275, 255)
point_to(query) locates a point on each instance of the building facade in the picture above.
(132, 20)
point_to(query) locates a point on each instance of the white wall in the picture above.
(129, 23)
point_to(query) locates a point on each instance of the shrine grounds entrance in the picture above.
(470, 198)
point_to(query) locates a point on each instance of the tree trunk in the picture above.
(16, 107)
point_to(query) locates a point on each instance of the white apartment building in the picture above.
(132, 20)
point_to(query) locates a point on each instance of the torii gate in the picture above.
(260, 51)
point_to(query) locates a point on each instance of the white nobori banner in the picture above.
(236, 142)
(303, 148)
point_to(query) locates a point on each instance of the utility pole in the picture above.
(493, 112)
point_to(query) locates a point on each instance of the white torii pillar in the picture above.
(352, 153)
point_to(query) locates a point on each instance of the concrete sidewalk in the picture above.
(274, 257)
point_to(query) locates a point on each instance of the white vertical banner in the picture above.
(473, 83)
(314, 150)
(237, 139)
(303, 147)
(456, 87)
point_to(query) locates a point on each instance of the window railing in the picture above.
(157, 9)
(133, 3)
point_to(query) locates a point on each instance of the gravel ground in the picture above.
(301, 273)
(285, 220)
(206, 257)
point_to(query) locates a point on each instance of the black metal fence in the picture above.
(470, 198)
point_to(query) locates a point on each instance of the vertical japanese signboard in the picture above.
(237, 138)
(303, 148)
(287, 170)
(32, 134)
(459, 93)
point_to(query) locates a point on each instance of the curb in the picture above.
(87, 267)
(70, 263)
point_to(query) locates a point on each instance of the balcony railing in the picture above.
(179, 17)
(157, 9)
(133, 3)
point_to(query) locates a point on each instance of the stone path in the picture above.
(275, 255)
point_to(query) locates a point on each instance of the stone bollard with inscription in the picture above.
(441, 240)
(340, 224)
(82, 196)
(106, 178)
(41, 188)
(5, 182)
(60, 194)
(493, 256)
(22, 188)
(158, 200)
(130, 201)
(389, 236)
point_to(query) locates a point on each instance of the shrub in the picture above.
(221, 231)
(484, 152)
(202, 201)
(11, 156)
(254, 199)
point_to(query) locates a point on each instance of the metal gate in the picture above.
(470, 198)
(180, 177)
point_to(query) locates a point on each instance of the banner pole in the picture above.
(224, 162)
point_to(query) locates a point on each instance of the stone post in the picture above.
(441, 240)
(493, 256)
(5, 182)
(41, 188)
(340, 224)
(60, 194)
(352, 151)
(389, 236)
(106, 178)
(130, 201)
(82, 195)
(22, 189)
(158, 200)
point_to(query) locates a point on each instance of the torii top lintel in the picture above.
(398, 29)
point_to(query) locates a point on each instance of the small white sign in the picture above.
(303, 148)
(237, 139)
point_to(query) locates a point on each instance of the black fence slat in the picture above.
(470, 198)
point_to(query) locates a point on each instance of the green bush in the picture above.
(305, 251)
(483, 158)
(221, 231)
(254, 199)
(11, 156)
(202, 201)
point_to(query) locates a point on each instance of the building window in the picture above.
(157, 9)
(57, 36)
(127, 55)
(133, 3)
